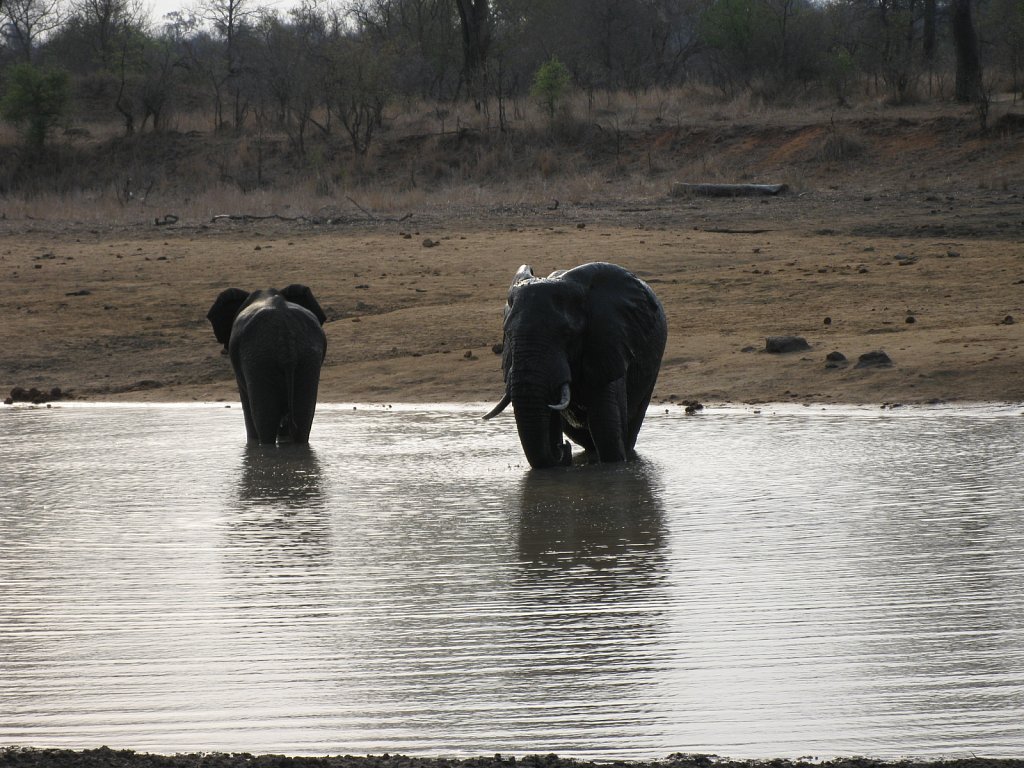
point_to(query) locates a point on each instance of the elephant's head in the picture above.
(545, 322)
(231, 301)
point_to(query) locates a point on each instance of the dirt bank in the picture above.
(414, 307)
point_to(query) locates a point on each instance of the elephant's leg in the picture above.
(639, 392)
(243, 393)
(636, 418)
(266, 408)
(608, 421)
(304, 390)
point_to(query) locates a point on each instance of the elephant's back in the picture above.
(277, 330)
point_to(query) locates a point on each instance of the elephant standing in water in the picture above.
(581, 355)
(277, 345)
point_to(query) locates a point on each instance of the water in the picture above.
(787, 583)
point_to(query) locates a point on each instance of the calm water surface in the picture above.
(786, 583)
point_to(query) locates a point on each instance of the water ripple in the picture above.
(775, 584)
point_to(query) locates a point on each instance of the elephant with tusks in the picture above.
(581, 354)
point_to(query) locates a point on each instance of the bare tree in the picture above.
(229, 19)
(113, 32)
(475, 21)
(426, 33)
(292, 70)
(107, 23)
(26, 22)
(968, 59)
(360, 90)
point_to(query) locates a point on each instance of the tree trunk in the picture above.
(928, 41)
(968, 59)
(474, 18)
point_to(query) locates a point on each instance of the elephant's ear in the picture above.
(623, 313)
(300, 294)
(224, 311)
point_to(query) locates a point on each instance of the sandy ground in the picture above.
(936, 281)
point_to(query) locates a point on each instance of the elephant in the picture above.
(581, 354)
(277, 345)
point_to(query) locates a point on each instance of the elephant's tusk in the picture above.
(564, 403)
(499, 407)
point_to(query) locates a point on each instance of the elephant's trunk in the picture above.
(537, 378)
(540, 428)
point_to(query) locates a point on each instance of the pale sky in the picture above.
(159, 8)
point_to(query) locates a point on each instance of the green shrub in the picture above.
(35, 100)
(550, 84)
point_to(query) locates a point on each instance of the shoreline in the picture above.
(104, 757)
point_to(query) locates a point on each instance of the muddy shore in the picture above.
(108, 758)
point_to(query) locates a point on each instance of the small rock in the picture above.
(498, 348)
(428, 243)
(1008, 320)
(33, 395)
(876, 359)
(783, 344)
(911, 320)
(836, 357)
(828, 321)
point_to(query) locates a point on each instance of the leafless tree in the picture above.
(475, 22)
(107, 23)
(229, 20)
(969, 87)
(27, 22)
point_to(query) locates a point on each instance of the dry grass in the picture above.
(602, 144)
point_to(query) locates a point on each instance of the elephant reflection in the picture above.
(589, 599)
(598, 515)
(288, 476)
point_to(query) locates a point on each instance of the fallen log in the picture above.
(726, 190)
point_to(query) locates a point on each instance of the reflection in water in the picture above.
(589, 604)
(591, 516)
(285, 474)
(844, 582)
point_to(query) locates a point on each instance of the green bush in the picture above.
(550, 84)
(35, 101)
